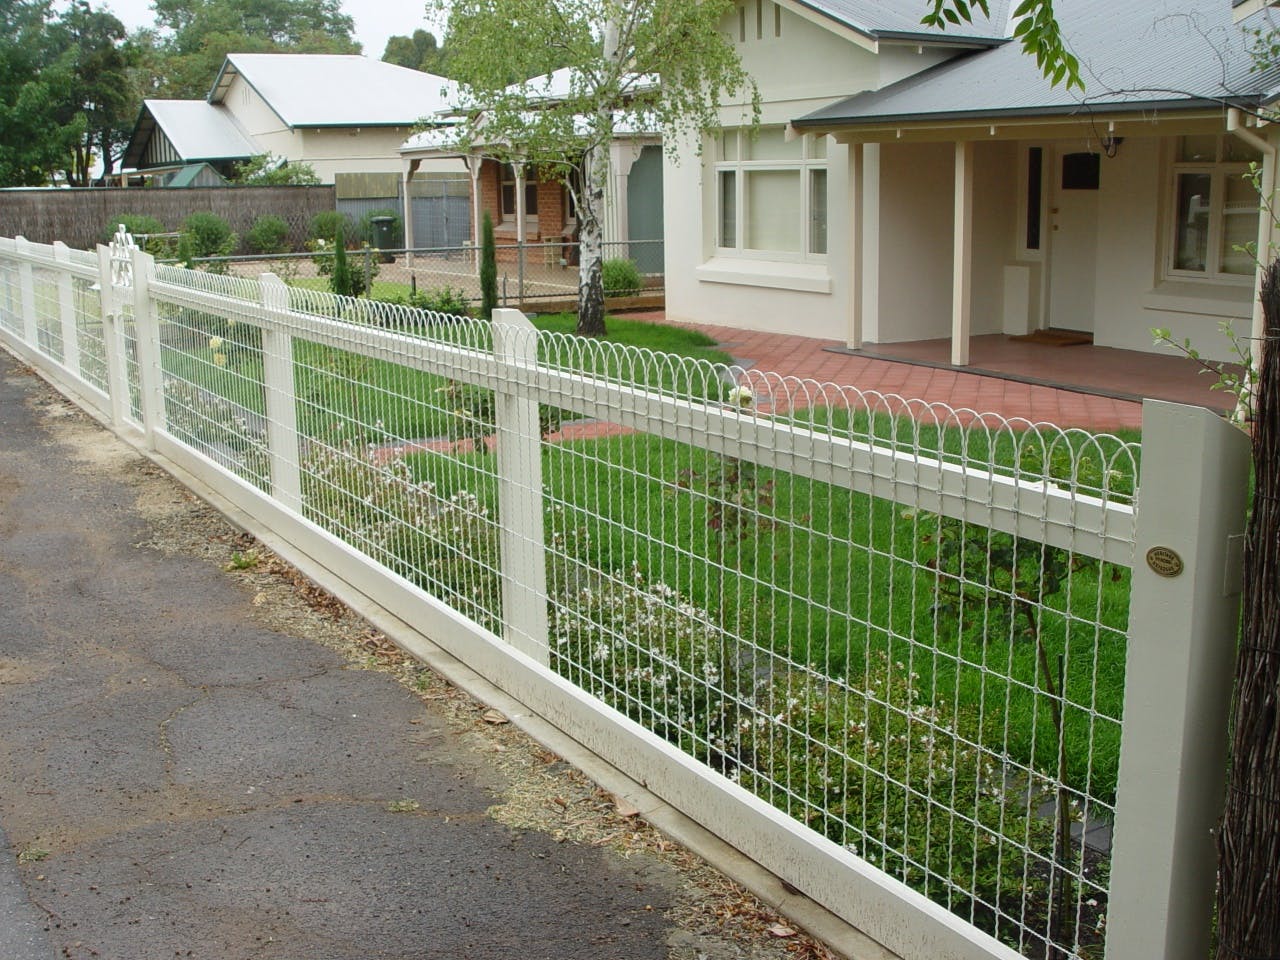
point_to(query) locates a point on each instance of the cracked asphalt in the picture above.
(178, 780)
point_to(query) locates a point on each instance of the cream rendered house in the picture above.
(952, 192)
(338, 113)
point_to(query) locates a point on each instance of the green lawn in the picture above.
(830, 578)
(798, 568)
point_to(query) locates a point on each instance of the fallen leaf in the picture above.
(779, 931)
(624, 808)
(494, 717)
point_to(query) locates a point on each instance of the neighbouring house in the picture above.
(909, 184)
(338, 113)
(516, 194)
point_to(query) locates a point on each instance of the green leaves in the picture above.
(1037, 29)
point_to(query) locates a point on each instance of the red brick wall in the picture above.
(550, 224)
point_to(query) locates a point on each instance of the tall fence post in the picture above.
(67, 308)
(519, 455)
(1184, 621)
(27, 294)
(281, 399)
(112, 339)
(146, 328)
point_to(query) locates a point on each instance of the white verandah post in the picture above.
(856, 205)
(475, 164)
(962, 256)
(519, 455)
(1184, 621)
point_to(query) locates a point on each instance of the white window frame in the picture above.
(804, 167)
(1218, 170)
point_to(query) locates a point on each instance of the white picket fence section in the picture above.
(821, 623)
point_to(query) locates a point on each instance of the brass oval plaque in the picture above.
(1164, 561)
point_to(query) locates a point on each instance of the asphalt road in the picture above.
(183, 782)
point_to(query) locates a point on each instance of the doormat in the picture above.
(1056, 338)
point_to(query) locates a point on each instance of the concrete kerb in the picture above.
(842, 938)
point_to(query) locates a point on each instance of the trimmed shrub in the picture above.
(621, 278)
(340, 281)
(325, 225)
(206, 234)
(488, 269)
(269, 234)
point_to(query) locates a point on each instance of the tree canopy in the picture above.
(418, 52)
(658, 65)
(197, 35)
(69, 91)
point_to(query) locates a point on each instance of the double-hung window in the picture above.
(508, 194)
(771, 195)
(1215, 210)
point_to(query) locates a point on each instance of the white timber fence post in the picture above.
(281, 400)
(1183, 630)
(146, 329)
(523, 545)
(27, 294)
(112, 338)
(67, 309)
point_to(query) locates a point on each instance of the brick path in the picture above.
(808, 357)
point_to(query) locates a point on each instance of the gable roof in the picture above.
(198, 131)
(900, 20)
(1135, 56)
(336, 90)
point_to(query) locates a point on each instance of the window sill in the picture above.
(780, 275)
(1210, 299)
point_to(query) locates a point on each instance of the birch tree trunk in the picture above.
(591, 237)
(595, 170)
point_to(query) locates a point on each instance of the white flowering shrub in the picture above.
(446, 544)
(649, 653)
(892, 777)
(218, 428)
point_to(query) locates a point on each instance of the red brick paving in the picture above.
(1091, 368)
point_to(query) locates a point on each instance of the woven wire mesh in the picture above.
(398, 462)
(48, 306)
(129, 360)
(10, 297)
(939, 697)
(86, 301)
(214, 398)
(543, 274)
(901, 624)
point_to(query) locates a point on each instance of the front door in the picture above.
(1073, 219)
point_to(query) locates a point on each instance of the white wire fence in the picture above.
(892, 650)
(535, 276)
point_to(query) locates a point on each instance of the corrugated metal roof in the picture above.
(337, 90)
(887, 19)
(197, 130)
(1133, 55)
